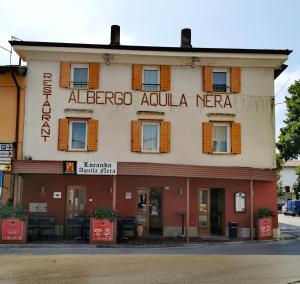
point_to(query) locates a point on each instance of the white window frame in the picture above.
(154, 68)
(71, 134)
(73, 66)
(221, 70)
(228, 136)
(158, 138)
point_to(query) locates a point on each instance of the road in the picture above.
(289, 224)
(238, 262)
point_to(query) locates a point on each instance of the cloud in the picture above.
(282, 84)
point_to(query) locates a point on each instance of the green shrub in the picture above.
(105, 213)
(264, 212)
(12, 212)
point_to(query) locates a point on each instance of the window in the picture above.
(221, 138)
(80, 76)
(220, 80)
(240, 202)
(151, 78)
(150, 137)
(78, 135)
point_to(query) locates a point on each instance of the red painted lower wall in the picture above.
(99, 195)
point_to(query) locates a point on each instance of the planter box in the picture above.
(13, 231)
(264, 228)
(103, 231)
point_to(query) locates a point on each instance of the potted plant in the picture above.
(13, 224)
(103, 226)
(264, 226)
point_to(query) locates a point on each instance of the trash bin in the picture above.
(233, 229)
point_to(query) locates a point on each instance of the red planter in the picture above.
(264, 228)
(103, 231)
(13, 231)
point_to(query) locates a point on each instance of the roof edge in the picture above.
(150, 48)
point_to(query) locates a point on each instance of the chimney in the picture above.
(186, 38)
(115, 35)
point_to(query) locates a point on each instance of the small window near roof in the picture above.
(240, 202)
(151, 78)
(220, 81)
(221, 137)
(150, 137)
(78, 135)
(80, 76)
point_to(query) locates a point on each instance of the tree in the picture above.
(289, 138)
(296, 186)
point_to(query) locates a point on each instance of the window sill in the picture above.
(218, 153)
(151, 91)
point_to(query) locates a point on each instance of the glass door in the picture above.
(76, 201)
(143, 209)
(204, 212)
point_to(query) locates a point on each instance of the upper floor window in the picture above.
(151, 78)
(221, 138)
(220, 81)
(150, 137)
(78, 135)
(80, 76)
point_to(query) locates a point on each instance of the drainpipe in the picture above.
(187, 210)
(251, 210)
(17, 114)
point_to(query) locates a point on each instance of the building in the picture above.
(164, 134)
(12, 97)
(288, 175)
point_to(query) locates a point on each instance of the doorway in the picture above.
(76, 201)
(149, 210)
(211, 211)
(217, 211)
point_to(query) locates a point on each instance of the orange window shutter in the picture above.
(207, 137)
(165, 81)
(92, 141)
(235, 79)
(63, 134)
(207, 79)
(94, 71)
(136, 136)
(65, 74)
(165, 132)
(137, 76)
(236, 138)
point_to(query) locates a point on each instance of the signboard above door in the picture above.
(96, 168)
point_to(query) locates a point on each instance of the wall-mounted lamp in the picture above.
(110, 190)
(180, 191)
(107, 58)
(42, 189)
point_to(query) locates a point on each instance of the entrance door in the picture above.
(204, 212)
(217, 211)
(76, 201)
(149, 210)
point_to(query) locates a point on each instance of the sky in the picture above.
(270, 24)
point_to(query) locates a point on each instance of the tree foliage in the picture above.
(289, 138)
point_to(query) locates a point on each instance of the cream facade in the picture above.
(253, 107)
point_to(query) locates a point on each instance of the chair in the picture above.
(75, 227)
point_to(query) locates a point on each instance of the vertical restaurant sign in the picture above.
(102, 230)
(46, 106)
(12, 230)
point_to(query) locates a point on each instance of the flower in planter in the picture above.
(264, 212)
(105, 213)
